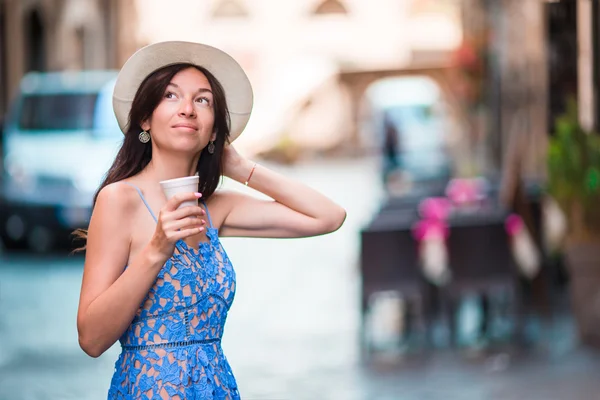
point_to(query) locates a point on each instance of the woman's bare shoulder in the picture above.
(111, 221)
(118, 197)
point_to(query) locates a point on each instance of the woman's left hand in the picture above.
(234, 165)
(291, 208)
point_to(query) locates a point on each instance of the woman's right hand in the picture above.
(175, 224)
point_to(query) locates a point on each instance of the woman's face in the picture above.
(184, 119)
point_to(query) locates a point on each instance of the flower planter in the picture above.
(583, 264)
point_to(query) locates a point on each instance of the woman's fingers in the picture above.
(174, 202)
(186, 233)
(178, 223)
(185, 223)
(166, 217)
(186, 212)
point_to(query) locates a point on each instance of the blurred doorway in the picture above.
(561, 18)
(409, 123)
(3, 64)
(35, 42)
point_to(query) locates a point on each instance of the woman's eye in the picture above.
(169, 95)
(204, 100)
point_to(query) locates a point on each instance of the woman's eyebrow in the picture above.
(201, 90)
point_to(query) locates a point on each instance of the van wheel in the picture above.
(9, 244)
(12, 234)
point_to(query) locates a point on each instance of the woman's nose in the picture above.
(187, 108)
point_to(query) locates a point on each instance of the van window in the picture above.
(105, 121)
(74, 111)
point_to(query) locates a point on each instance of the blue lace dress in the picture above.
(172, 349)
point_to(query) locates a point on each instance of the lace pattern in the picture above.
(172, 349)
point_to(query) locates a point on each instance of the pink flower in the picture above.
(513, 224)
(436, 208)
(430, 229)
(464, 191)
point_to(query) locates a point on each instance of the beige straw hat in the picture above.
(238, 90)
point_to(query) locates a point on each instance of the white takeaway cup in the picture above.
(187, 184)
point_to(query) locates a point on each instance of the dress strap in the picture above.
(144, 200)
(207, 213)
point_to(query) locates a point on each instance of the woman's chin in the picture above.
(187, 145)
(191, 150)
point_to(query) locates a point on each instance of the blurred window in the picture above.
(58, 112)
(229, 9)
(105, 121)
(331, 7)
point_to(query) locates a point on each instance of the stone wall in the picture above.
(53, 35)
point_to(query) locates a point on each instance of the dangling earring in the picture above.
(144, 137)
(211, 147)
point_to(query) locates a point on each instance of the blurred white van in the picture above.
(60, 138)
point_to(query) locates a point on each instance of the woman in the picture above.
(156, 276)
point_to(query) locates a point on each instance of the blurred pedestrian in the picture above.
(391, 149)
(156, 276)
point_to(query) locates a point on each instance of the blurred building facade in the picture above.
(534, 56)
(588, 73)
(294, 52)
(52, 35)
(298, 54)
(518, 87)
(311, 61)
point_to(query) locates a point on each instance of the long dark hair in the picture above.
(134, 155)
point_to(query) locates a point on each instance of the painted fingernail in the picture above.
(198, 195)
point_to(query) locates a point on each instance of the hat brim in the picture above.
(237, 87)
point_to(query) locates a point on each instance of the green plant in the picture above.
(574, 175)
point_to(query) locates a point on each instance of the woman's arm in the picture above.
(295, 211)
(110, 297)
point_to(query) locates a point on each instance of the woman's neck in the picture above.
(170, 166)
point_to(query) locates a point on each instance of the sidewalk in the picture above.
(292, 332)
